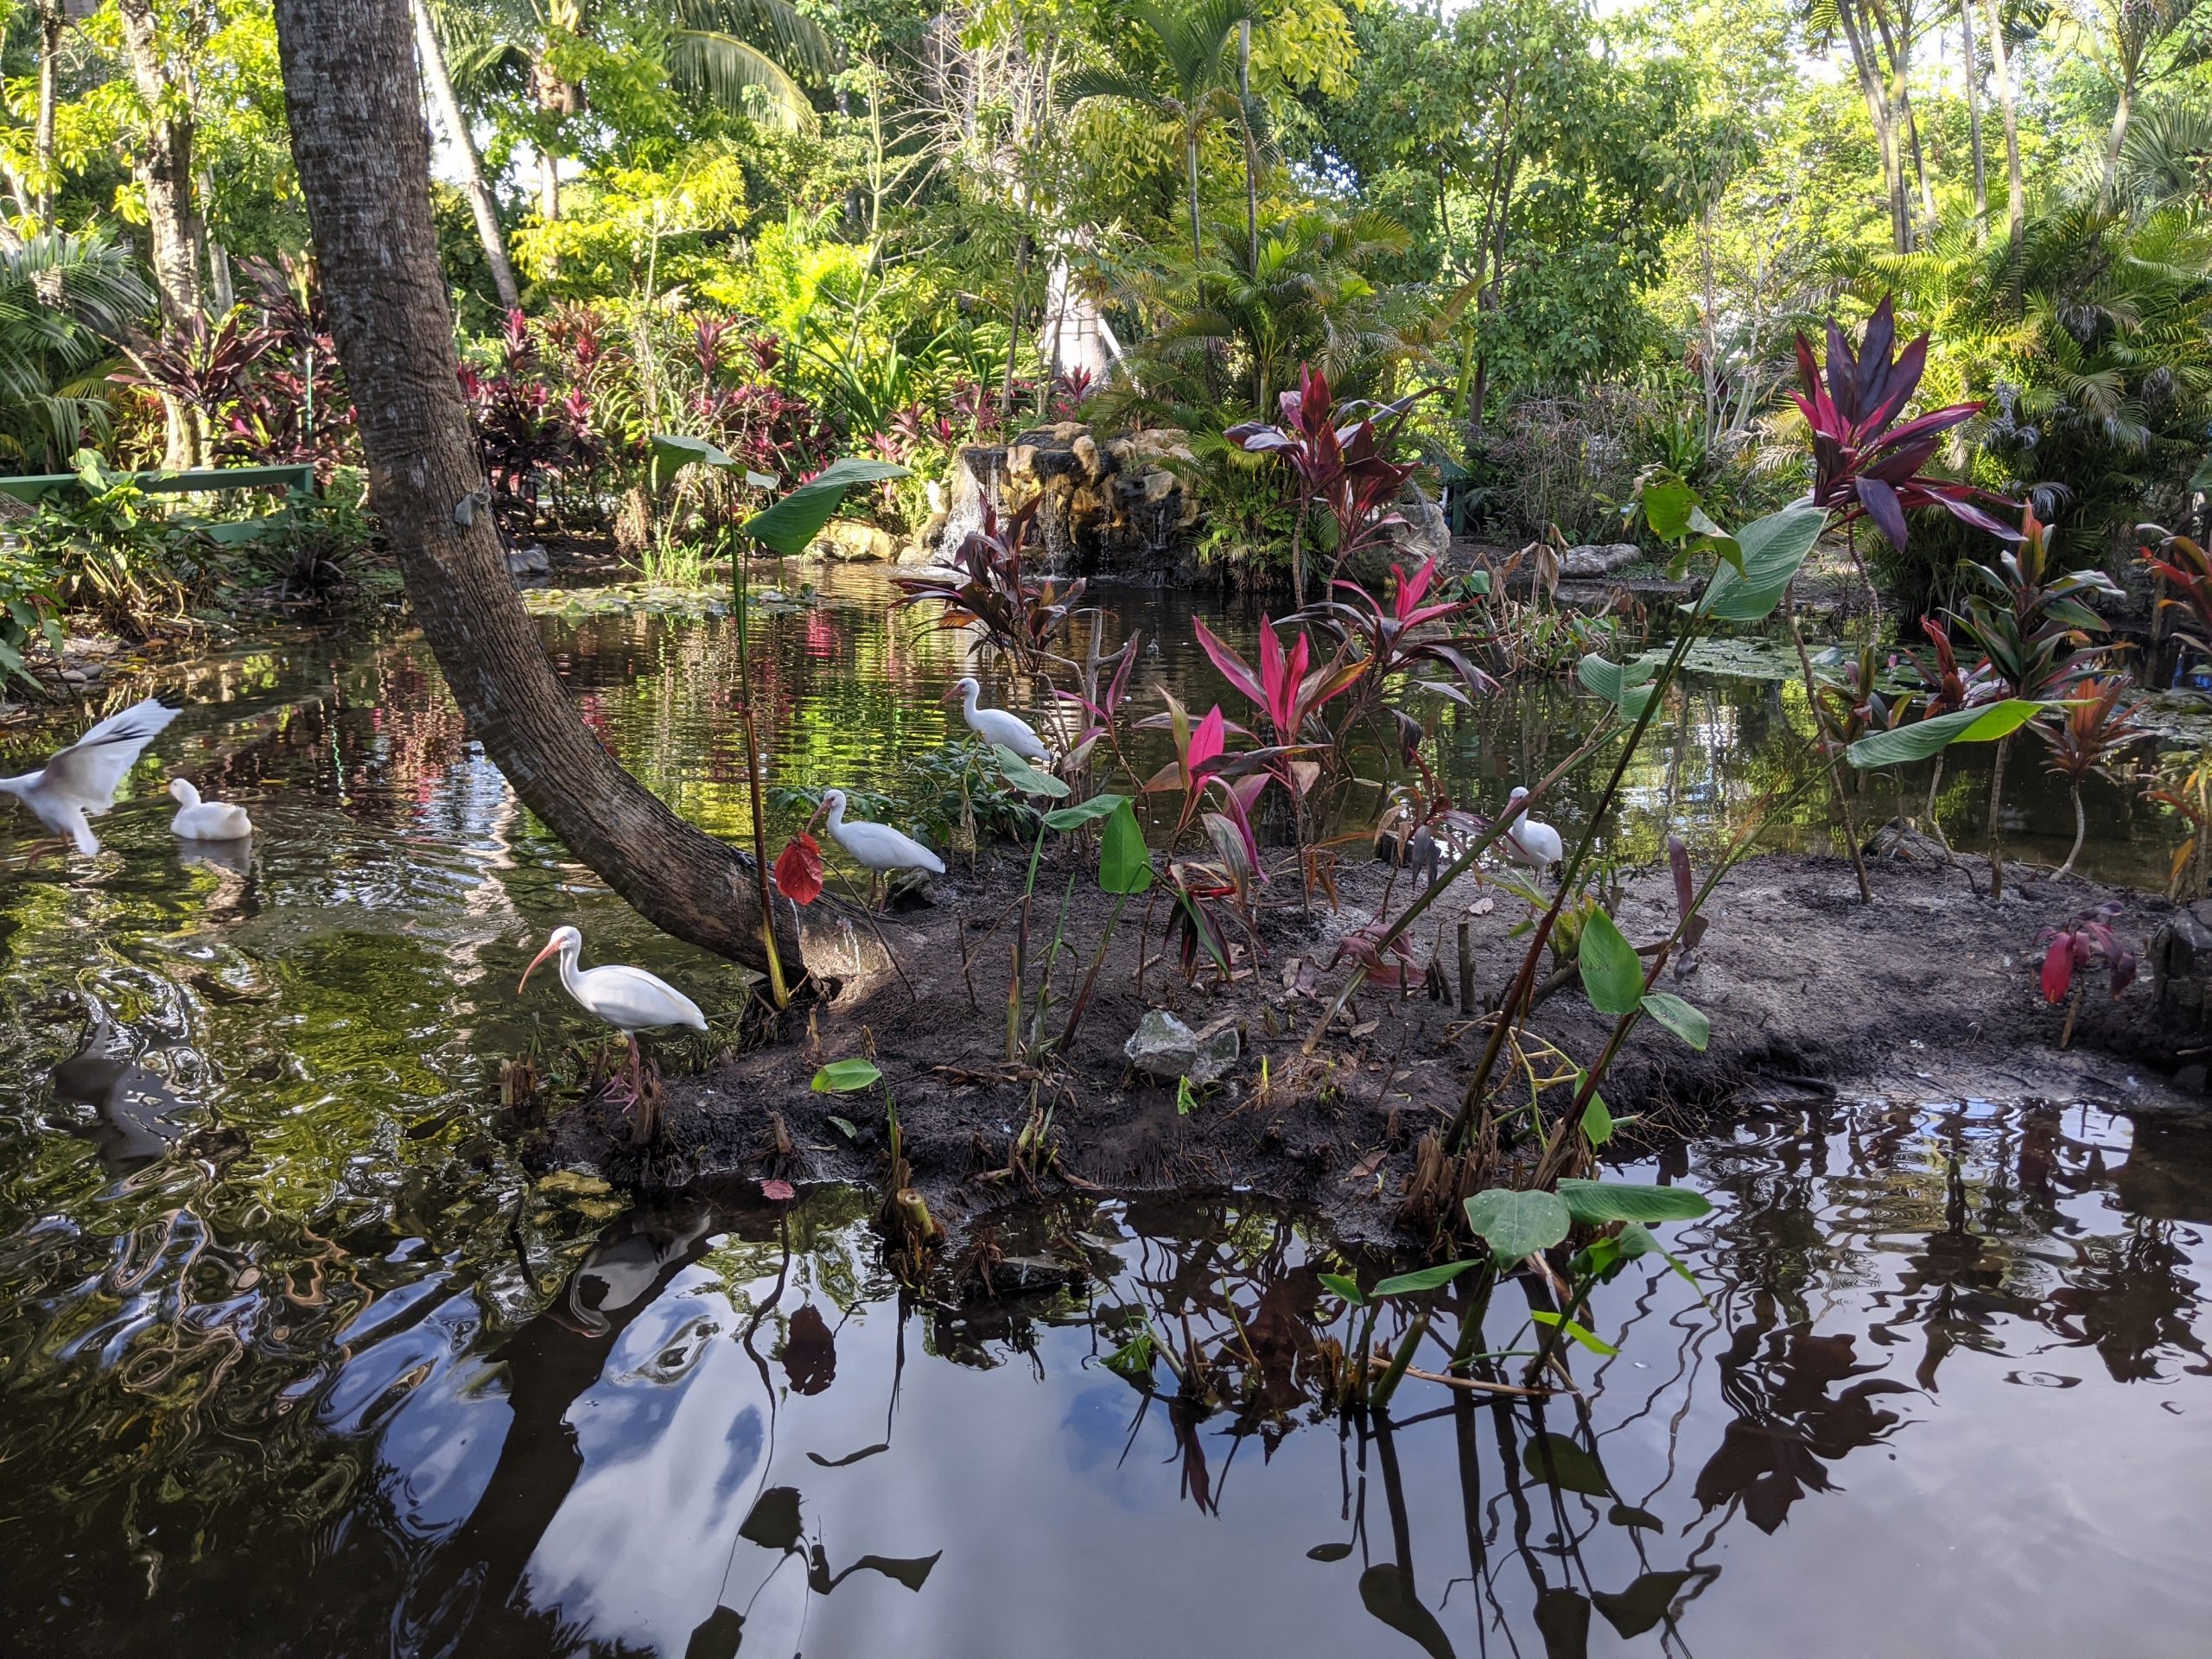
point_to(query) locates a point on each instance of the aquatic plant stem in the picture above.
(1830, 746)
(777, 989)
(1996, 824)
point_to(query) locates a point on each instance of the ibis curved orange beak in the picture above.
(950, 692)
(551, 945)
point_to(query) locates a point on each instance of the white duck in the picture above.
(629, 999)
(995, 725)
(199, 820)
(79, 782)
(1529, 841)
(876, 848)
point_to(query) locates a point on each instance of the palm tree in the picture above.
(1196, 89)
(64, 302)
(717, 50)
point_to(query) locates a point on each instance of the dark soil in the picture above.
(1930, 993)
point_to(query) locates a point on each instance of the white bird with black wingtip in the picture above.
(78, 783)
(629, 999)
(876, 848)
(995, 725)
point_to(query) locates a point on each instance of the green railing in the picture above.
(200, 481)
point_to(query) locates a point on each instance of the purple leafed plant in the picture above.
(1341, 458)
(1863, 462)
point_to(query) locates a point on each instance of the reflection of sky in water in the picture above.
(289, 1331)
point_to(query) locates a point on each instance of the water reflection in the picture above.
(1943, 1336)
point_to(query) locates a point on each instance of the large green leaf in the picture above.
(1594, 1203)
(1612, 974)
(1083, 812)
(790, 526)
(1517, 1226)
(1773, 548)
(670, 452)
(1024, 776)
(1621, 684)
(1679, 1017)
(1124, 861)
(1424, 1278)
(1925, 738)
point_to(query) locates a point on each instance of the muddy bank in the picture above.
(1930, 993)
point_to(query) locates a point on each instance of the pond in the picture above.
(295, 1358)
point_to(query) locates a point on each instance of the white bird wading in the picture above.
(78, 783)
(995, 725)
(629, 999)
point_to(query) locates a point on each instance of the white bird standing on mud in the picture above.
(876, 848)
(995, 725)
(1528, 841)
(79, 782)
(629, 999)
(199, 820)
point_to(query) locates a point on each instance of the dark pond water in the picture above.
(295, 1359)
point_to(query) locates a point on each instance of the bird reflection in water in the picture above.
(134, 1108)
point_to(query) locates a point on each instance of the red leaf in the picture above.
(798, 870)
(1208, 738)
(778, 1192)
(2058, 968)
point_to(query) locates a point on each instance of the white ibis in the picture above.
(199, 820)
(629, 999)
(876, 848)
(79, 782)
(1529, 842)
(995, 725)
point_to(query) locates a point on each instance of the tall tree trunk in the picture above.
(2016, 199)
(1880, 112)
(363, 153)
(450, 116)
(51, 21)
(1190, 168)
(1251, 154)
(2121, 111)
(555, 97)
(165, 173)
(1974, 120)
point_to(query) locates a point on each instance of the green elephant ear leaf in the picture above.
(1594, 1203)
(1517, 1225)
(789, 527)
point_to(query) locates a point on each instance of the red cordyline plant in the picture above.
(2182, 562)
(2089, 742)
(1342, 461)
(1391, 638)
(2080, 943)
(987, 586)
(1864, 462)
(1290, 693)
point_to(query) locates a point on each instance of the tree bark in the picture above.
(2016, 200)
(165, 173)
(1873, 89)
(1974, 120)
(2121, 109)
(450, 115)
(50, 22)
(363, 153)
(1251, 156)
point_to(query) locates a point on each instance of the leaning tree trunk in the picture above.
(472, 186)
(165, 173)
(363, 154)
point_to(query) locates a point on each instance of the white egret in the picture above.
(629, 999)
(79, 782)
(199, 820)
(1529, 842)
(876, 848)
(995, 725)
